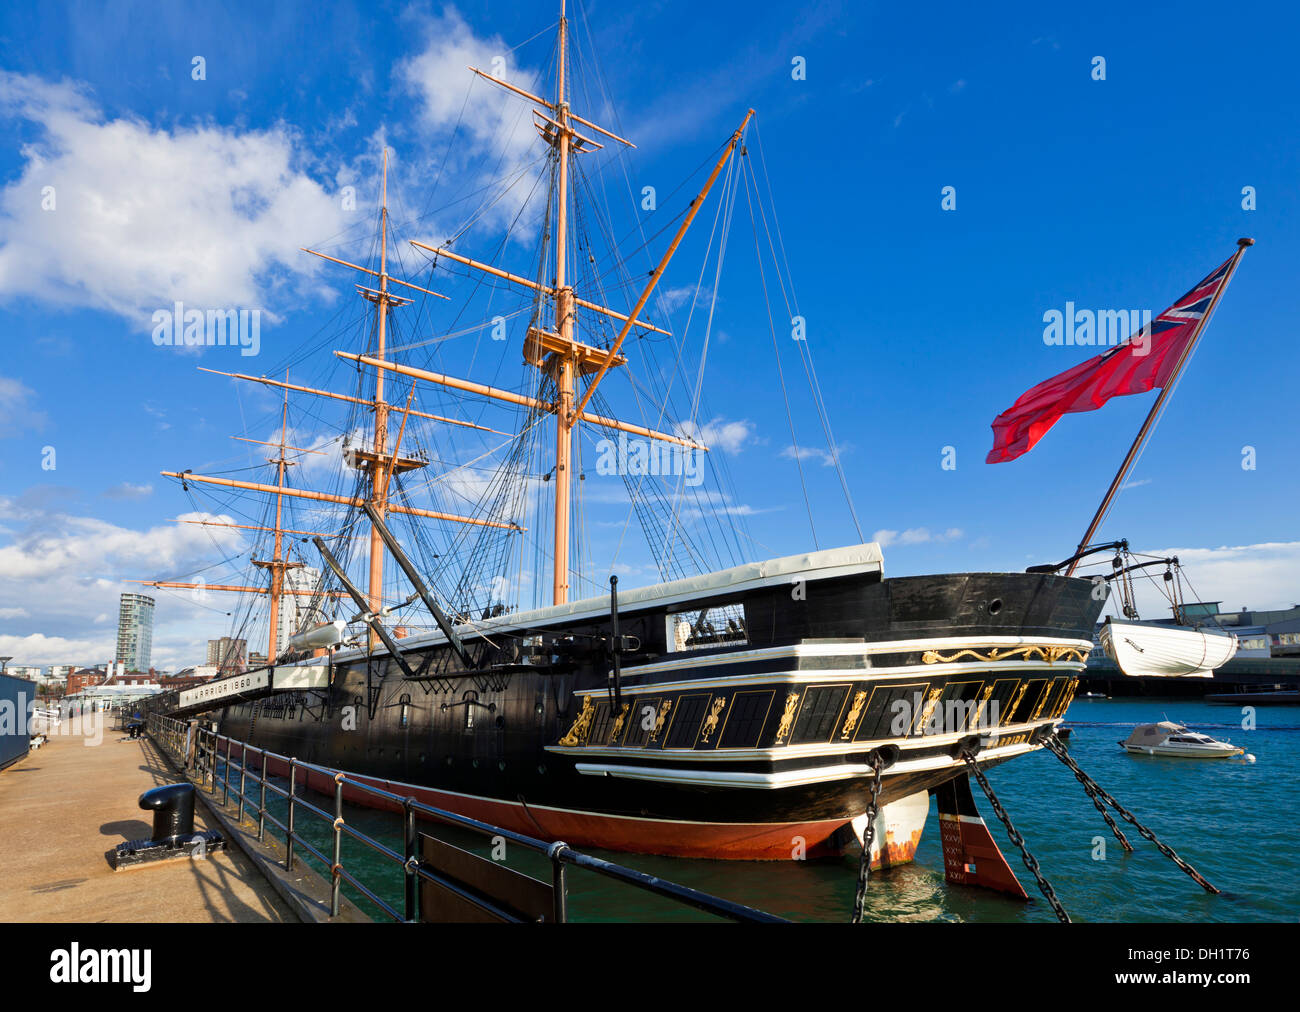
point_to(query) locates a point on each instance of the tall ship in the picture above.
(437, 620)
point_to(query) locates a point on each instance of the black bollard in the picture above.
(173, 811)
(173, 830)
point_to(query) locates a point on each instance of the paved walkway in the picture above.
(65, 808)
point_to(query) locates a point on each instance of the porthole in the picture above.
(995, 606)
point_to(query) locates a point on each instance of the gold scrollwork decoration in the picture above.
(1015, 702)
(977, 715)
(659, 720)
(787, 718)
(711, 721)
(855, 714)
(930, 703)
(581, 724)
(618, 724)
(1051, 654)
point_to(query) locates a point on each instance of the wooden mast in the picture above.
(564, 420)
(559, 353)
(277, 565)
(379, 489)
(1154, 413)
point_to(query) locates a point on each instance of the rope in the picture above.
(868, 835)
(1031, 862)
(1054, 743)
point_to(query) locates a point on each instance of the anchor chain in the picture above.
(1091, 791)
(1057, 749)
(1031, 862)
(868, 835)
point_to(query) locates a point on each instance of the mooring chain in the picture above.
(1091, 790)
(868, 835)
(1031, 862)
(1054, 743)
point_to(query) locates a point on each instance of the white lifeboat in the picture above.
(1157, 651)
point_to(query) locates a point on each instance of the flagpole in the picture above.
(1165, 391)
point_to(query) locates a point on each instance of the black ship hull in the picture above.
(747, 717)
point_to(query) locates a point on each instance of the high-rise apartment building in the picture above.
(227, 655)
(135, 632)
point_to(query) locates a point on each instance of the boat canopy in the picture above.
(1154, 734)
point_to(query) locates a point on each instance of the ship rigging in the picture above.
(476, 533)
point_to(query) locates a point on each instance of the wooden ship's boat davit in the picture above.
(727, 711)
(1145, 650)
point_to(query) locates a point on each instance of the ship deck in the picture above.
(67, 806)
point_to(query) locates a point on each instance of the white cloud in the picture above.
(670, 299)
(125, 490)
(142, 217)
(57, 572)
(825, 457)
(486, 118)
(916, 536)
(719, 434)
(16, 411)
(1261, 577)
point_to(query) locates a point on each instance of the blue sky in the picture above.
(924, 323)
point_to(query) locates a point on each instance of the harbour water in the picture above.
(1231, 819)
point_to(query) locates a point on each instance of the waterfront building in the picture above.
(227, 654)
(135, 632)
(83, 678)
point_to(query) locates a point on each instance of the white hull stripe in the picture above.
(791, 778)
(838, 675)
(686, 659)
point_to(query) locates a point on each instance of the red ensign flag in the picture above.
(1133, 367)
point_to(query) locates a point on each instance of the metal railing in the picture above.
(206, 750)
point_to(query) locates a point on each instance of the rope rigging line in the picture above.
(771, 323)
(805, 347)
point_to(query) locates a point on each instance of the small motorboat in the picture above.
(1169, 739)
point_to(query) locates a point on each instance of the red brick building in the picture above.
(83, 679)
